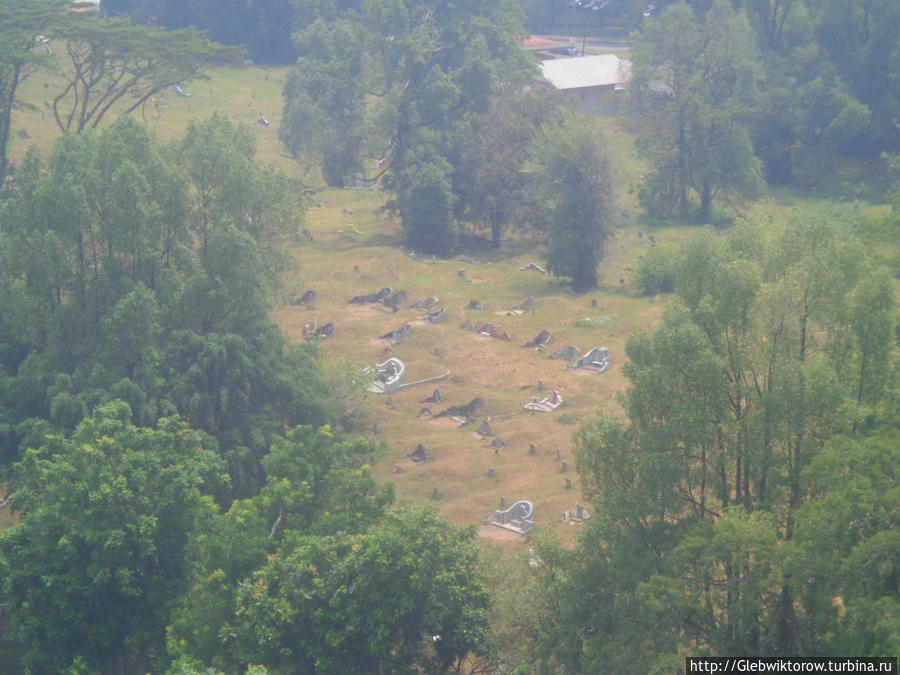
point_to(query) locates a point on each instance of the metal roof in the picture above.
(579, 72)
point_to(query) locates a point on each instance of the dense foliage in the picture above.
(142, 272)
(263, 28)
(575, 198)
(784, 90)
(390, 82)
(722, 523)
(108, 515)
(168, 504)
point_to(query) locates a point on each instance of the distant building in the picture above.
(84, 6)
(593, 79)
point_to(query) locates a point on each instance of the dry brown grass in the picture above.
(355, 251)
(340, 264)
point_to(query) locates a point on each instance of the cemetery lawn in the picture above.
(356, 250)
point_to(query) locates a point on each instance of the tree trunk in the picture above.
(496, 228)
(705, 203)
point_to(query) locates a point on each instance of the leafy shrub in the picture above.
(656, 271)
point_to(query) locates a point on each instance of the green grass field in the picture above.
(355, 251)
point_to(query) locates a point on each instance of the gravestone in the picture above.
(420, 454)
(396, 300)
(436, 397)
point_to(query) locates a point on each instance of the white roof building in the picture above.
(589, 78)
(583, 72)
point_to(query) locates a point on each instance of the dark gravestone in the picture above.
(485, 429)
(396, 300)
(420, 454)
(436, 397)
(325, 331)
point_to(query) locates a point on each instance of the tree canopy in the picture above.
(575, 198)
(99, 557)
(145, 272)
(705, 495)
(111, 61)
(409, 72)
(693, 83)
(22, 28)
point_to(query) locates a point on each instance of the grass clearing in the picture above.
(355, 250)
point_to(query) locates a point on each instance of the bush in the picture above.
(656, 271)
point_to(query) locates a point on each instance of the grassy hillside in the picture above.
(355, 251)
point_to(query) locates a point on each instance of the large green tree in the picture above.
(325, 99)
(145, 272)
(493, 147)
(693, 83)
(111, 65)
(574, 198)
(314, 574)
(402, 597)
(314, 486)
(420, 66)
(21, 33)
(702, 494)
(99, 556)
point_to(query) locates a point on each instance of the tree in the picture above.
(427, 208)
(488, 181)
(99, 556)
(426, 65)
(325, 98)
(114, 66)
(693, 82)
(571, 179)
(401, 597)
(102, 215)
(145, 272)
(314, 487)
(851, 593)
(22, 26)
(701, 497)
